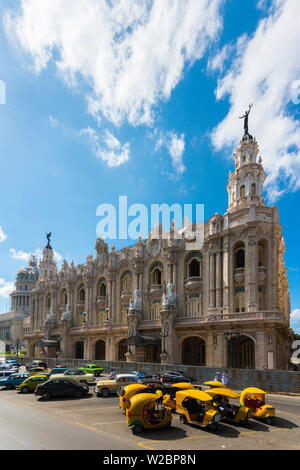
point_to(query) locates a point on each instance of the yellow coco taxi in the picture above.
(215, 384)
(170, 397)
(254, 399)
(128, 392)
(195, 407)
(229, 411)
(146, 411)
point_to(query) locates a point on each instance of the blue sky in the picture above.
(108, 98)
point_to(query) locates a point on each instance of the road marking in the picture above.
(92, 428)
(141, 444)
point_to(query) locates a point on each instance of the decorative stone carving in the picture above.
(66, 316)
(169, 299)
(136, 303)
(50, 318)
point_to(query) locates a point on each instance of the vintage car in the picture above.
(38, 370)
(77, 375)
(146, 411)
(254, 399)
(30, 383)
(57, 370)
(92, 369)
(61, 387)
(36, 363)
(104, 388)
(13, 380)
(195, 407)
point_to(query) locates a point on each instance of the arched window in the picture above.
(239, 299)
(101, 288)
(262, 253)
(253, 189)
(155, 307)
(156, 274)
(81, 293)
(101, 316)
(64, 297)
(193, 351)
(100, 350)
(194, 265)
(122, 350)
(126, 282)
(239, 256)
(242, 192)
(194, 305)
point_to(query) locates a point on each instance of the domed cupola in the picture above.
(48, 268)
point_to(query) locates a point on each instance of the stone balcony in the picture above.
(236, 317)
(155, 290)
(193, 283)
(101, 300)
(239, 275)
(125, 296)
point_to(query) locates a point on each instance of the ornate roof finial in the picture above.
(246, 136)
(48, 235)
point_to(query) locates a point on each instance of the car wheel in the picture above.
(46, 396)
(25, 390)
(8, 386)
(78, 394)
(182, 419)
(104, 392)
(137, 429)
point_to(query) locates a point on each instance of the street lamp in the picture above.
(231, 336)
(164, 333)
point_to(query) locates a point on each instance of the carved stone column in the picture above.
(219, 279)
(252, 269)
(170, 341)
(212, 280)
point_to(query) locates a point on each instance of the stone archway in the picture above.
(100, 350)
(193, 351)
(243, 355)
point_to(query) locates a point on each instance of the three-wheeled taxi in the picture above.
(170, 397)
(215, 384)
(195, 407)
(147, 411)
(254, 399)
(229, 411)
(128, 392)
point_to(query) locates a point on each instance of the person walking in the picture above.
(217, 377)
(224, 378)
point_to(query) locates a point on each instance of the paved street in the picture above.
(98, 423)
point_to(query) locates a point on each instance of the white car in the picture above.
(77, 375)
(104, 388)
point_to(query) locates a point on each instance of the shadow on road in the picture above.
(84, 397)
(282, 423)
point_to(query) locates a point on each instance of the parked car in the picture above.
(13, 363)
(77, 375)
(30, 384)
(57, 370)
(13, 380)
(104, 388)
(36, 363)
(141, 374)
(175, 376)
(4, 374)
(38, 370)
(92, 369)
(61, 387)
(4, 366)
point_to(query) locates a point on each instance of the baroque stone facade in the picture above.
(158, 302)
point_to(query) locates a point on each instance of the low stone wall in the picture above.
(269, 380)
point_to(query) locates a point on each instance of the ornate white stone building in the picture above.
(157, 302)
(16, 323)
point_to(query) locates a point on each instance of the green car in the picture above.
(92, 369)
(30, 384)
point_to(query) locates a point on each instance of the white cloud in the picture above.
(295, 316)
(131, 53)
(263, 72)
(6, 288)
(107, 147)
(3, 236)
(175, 146)
(24, 256)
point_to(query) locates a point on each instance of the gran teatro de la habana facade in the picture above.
(158, 302)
